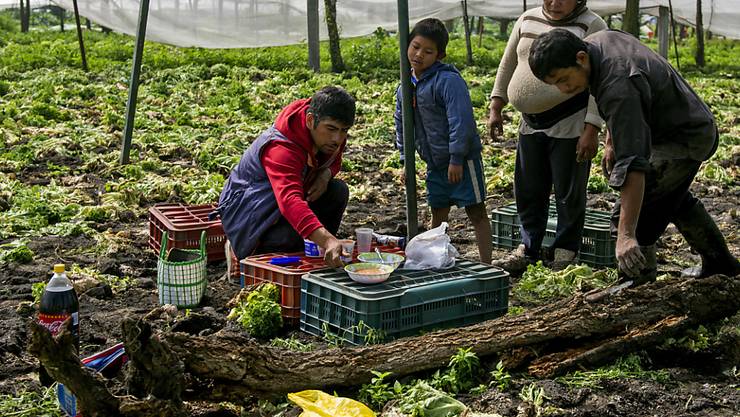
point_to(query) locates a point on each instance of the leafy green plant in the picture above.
(260, 315)
(500, 378)
(536, 396)
(331, 338)
(377, 392)
(540, 284)
(423, 400)
(461, 374)
(693, 340)
(516, 310)
(16, 252)
(292, 344)
(37, 290)
(371, 336)
(31, 404)
(625, 367)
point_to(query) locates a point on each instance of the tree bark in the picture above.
(631, 19)
(585, 330)
(699, 36)
(337, 63)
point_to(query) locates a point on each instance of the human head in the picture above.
(560, 58)
(562, 9)
(427, 44)
(329, 116)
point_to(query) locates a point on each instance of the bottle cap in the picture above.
(58, 268)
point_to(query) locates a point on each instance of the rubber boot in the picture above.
(704, 237)
(515, 262)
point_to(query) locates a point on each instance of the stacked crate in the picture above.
(410, 302)
(597, 243)
(184, 225)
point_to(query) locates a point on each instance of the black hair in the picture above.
(434, 30)
(334, 103)
(554, 50)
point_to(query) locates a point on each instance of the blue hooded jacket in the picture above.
(444, 126)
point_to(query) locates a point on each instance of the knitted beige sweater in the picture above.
(515, 82)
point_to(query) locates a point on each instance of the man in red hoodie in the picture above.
(283, 190)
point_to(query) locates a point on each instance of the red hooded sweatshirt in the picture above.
(284, 163)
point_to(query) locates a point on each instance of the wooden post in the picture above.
(664, 23)
(314, 51)
(631, 19)
(466, 22)
(699, 35)
(24, 22)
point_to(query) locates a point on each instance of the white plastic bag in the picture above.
(431, 249)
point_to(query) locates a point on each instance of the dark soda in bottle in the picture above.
(58, 303)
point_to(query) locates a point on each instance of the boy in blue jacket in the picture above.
(445, 133)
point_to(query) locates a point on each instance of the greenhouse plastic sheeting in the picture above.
(14, 4)
(252, 23)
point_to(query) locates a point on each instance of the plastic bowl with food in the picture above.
(392, 259)
(369, 273)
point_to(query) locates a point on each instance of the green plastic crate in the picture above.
(410, 301)
(597, 243)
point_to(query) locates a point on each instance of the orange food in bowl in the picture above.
(370, 271)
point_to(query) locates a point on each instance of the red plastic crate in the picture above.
(183, 225)
(256, 269)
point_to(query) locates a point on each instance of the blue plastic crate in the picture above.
(410, 302)
(597, 243)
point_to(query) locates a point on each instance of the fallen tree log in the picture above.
(587, 329)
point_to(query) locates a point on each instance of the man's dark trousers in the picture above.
(329, 209)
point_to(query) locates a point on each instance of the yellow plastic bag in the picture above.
(317, 403)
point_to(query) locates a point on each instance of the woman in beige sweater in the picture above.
(557, 135)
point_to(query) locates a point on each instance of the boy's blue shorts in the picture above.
(469, 191)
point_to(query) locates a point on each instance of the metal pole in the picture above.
(663, 30)
(133, 90)
(412, 220)
(314, 56)
(79, 35)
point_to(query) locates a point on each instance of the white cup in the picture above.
(364, 239)
(348, 246)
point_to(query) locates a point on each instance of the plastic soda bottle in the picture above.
(58, 303)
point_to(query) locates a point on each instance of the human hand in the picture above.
(333, 253)
(317, 188)
(454, 173)
(587, 144)
(629, 256)
(495, 122)
(607, 161)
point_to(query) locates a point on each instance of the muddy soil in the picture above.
(693, 391)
